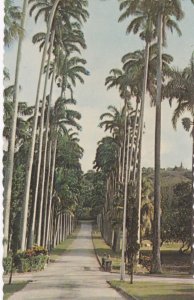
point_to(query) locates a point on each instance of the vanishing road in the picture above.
(75, 275)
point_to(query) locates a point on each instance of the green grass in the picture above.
(9, 289)
(165, 247)
(101, 247)
(173, 262)
(62, 247)
(156, 291)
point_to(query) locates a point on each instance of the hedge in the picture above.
(33, 259)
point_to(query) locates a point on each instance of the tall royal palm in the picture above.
(12, 20)
(121, 80)
(10, 160)
(181, 87)
(114, 121)
(60, 117)
(71, 34)
(142, 23)
(53, 8)
(165, 10)
(124, 80)
(31, 151)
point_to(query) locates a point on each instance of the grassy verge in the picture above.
(9, 289)
(101, 248)
(62, 247)
(174, 263)
(155, 291)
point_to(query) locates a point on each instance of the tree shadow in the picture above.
(180, 294)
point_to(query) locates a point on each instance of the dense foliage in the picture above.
(91, 197)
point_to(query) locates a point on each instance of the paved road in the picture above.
(75, 275)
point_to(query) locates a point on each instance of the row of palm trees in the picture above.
(60, 66)
(144, 71)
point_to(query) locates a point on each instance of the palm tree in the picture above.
(67, 72)
(60, 116)
(142, 22)
(129, 83)
(145, 13)
(31, 151)
(164, 10)
(23, 133)
(121, 80)
(42, 118)
(106, 160)
(189, 124)
(51, 13)
(180, 87)
(10, 161)
(12, 19)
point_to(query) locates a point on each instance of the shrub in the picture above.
(7, 261)
(38, 262)
(22, 265)
(39, 250)
(33, 259)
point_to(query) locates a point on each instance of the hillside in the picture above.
(170, 176)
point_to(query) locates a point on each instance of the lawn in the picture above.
(156, 291)
(173, 262)
(9, 289)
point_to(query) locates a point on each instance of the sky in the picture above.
(106, 43)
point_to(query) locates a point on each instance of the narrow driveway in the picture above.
(75, 275)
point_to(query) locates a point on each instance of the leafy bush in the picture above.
(38, 262)
(31, 263)
(22, 264)
(39, 250)
(7, 261)
(29, 260)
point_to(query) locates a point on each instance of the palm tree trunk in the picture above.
(119, 163)
(47, 157)
(139, 174)
(10, 159)
(46, 140)
(192, 220)
(63, 234)
(116, 240)
(156, 262)
(135, 162)
(50, 229)
(124, 144)
(132, 139)
(24, 215)
(51, 187)
(125, 210)
(40, 156)
(45, 225)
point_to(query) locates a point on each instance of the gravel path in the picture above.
(75, 275)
